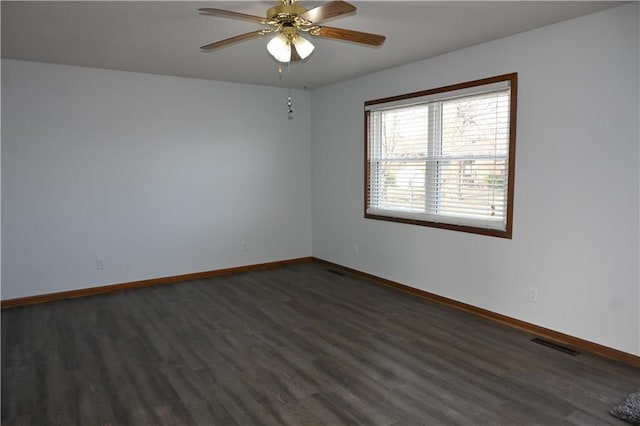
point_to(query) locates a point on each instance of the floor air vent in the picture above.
(555, 346)
(333, 271)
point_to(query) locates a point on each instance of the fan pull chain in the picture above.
(289, 105)
(289, 101)
(281, 70)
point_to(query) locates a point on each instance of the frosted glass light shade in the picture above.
(280, 48)
(303, 47)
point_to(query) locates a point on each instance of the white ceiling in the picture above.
(163, 37)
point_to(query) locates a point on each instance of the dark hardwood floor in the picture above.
(296, 345)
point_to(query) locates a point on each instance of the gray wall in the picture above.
(575, 233)
(157, 175)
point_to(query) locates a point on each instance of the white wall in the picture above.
(158, 175)
(576, 215)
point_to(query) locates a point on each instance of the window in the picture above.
(444, 157)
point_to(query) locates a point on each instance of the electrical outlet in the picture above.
(100, 263)
(245, 246)
(356, 249)
(533, 294)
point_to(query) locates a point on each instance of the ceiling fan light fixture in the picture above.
(280, 48)
(303, 47)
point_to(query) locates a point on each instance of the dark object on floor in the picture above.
(555, 346)
(629, 410)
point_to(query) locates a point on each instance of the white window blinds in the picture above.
(442, 157)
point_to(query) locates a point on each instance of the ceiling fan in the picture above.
(288, 21)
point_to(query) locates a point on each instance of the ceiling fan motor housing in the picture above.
(285, 10)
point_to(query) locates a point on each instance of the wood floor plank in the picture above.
(294, 345)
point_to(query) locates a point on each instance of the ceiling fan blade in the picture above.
(229, 14)
(231, 40)
(327, 11)
(353, 36)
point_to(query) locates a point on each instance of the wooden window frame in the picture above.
(508, 231)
